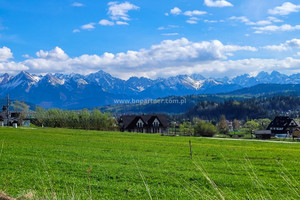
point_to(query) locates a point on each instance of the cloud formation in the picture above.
(121, 23)
(285, 9)
(190, 13)
(5, 54)
(89, 26)
(170, 34)
(168, 56)
(55, 54)
(194, 13)
(217, 3)
(119, 11)
(105, 22)
(290, 44)
(246, 21)
(77, 4)
(118, 14)
(274, 28)
(192, 21)
(175, 11)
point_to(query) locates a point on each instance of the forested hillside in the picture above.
(253, 108)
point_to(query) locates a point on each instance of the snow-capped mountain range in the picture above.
(100, 88)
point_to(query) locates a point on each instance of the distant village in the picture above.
(280, 127)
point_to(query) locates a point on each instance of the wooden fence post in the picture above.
(191, 153)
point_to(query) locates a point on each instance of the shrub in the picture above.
(205, 129)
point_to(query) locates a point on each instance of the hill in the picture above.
(168, 105)
(268, 92)
(268, 89)
(254, 108)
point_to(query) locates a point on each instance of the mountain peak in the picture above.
(6, 75)
(4, 78)
(25, 76)
(262, 74)
(197, 77)
(48, 78)
(275, 73)
(100, 73)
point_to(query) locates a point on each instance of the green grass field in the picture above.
(78, 164)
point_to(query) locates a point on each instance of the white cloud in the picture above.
(194, 13)
(274, 28)
(242, 19)
(105, 22)
(294, 43)
(285, 9)
(167, 27)
(191, 14)
(121, 23)
(5, 54)
(217, 3)
(12, 67)
(77, 4)
(169, 55)
(191, 21)
(175, 11)
(55, 54)
(194, 18)
(280, 47)
(246, 21)
(210, 21)
(262, 23)
(120, 11)
(274, 19)
(26, 56)
(76, 31)
(170, 34)
(298, 54)
(88, 26)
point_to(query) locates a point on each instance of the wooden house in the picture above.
(283, 125)
(144, 123)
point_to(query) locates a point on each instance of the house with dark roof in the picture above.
(144, 123)
(283, 125)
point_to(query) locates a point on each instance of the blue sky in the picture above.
(150, 38)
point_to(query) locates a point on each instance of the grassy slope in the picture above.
(55, 163)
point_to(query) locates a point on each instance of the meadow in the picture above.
(78, 164)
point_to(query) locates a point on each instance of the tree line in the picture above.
(81, 119)
(198, 127)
